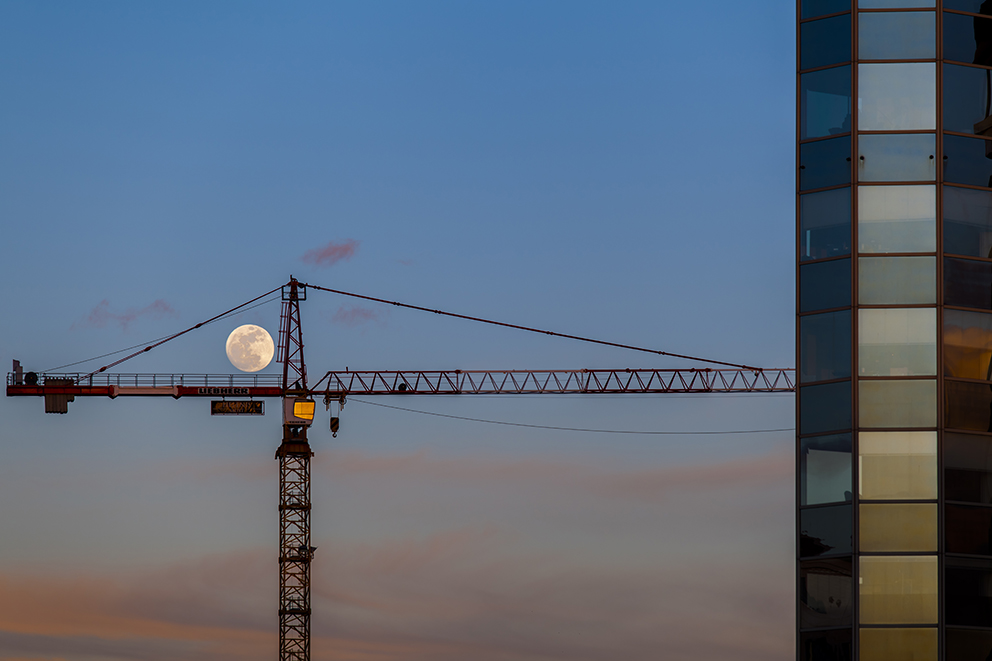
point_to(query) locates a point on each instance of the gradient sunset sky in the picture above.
(619, 170)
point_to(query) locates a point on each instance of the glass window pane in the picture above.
(967, 529)
(968, 592)
(967, 221)
(968, 468)
(897, 218)
(967, 344)
(897, 280)
(975, 7)
(968, 161)
(897, 97)
(898, 590)
(897, 35)
(825, 469)
(897, 342)
(966, 100)
(968, 406)
(825, 285)
(967, 283)
(902, 527)
(825, 224)
(897, 157)
(825, 42)
(825, 408)
(825, 163)
(898, 644)
(825, 102)
(824, 530)
(897, 465)
(825, 593)
(814, 8)
(967, 38)
(895, 404)
(825, 346)
(826, 645)
(968, 644)
(894, 4)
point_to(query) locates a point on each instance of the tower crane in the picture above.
(297, 396)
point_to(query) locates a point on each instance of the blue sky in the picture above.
(617, 170)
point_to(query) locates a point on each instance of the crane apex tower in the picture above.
(894, 330)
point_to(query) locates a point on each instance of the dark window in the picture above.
(967, 344)
(825, 346)
(897, 157)
(968, 161)
(967, 221)
(902, 35)
(826, 646)
(825, 285)
(967, 283)
(968, 645)
(814, 8)
(967, 406)
(825, 469)
(824, 530)
(825, 102)
(968, 468)
(825, 408)
(825, 224)
(975, 7)
(825, 42)
(967, 104)
(825, 163)
(825, 593)
(968, 592)
(968, 38)
(967, 529)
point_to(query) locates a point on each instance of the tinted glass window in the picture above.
(826, 645)
(897, 219)
(825, 530)
(894, 4)
(825, 224)
(897, 342)
(967, 344)
(814, 8)
(897, 35)
(825, 285)
(825, 593)
(825, 163)
(908, 157)
(898, 465)
(967, 529)
(968, 161)
(968, 592)
(825, 469)
(967, 406)
(967, 221)
(968, 39)
(897, 280)
(898, 527)
(898, 590)
(825, 102)
(889, 644)
(968, 468)
(897, 404)
(968, 644)
(897, 97)
(825, 346)
(825, 408)
(967, 283)
(966, 99)
(974, 6)
(825, 42)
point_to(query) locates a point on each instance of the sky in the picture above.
(617, 170)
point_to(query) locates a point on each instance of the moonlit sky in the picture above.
(619, 170)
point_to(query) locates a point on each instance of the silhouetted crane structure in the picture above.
(291, 386)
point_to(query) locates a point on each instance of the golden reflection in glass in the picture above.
(967, 344)
(896, 465)
(898, 589)
(898, 644)
(895, 404)
(909, 527)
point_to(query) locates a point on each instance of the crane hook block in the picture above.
(335, 423)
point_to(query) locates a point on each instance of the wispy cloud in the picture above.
(101, 316)
(355, 315)
(331, 254)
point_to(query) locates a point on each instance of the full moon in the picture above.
(250, 348)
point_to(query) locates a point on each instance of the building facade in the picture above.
(894, 330)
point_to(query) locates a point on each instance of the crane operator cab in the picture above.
(297, 414)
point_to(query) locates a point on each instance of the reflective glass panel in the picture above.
(897, 342)
(897, 218)
(814, 8)
(825, 346)
(967, 221)
(898, 527)
(825, 102)
(968, 161)
(967, 529)
(966, 100)
(825, 285)
(826, 645)
(968, 38)
(825, 408)
(825, 530)
(910, 35)
(895, 404)
(825, 593)
(968, 405)
(897, 280)
(897, 157)
(825, 469)
(894, 4)
(967, 283)
(898, 644)
(825, 42)
(825, 163)
(975, 7)
(967, 344)
(825, 224)
(968, 644)
(898, 590)
(897, 97)
(968, 592)
(968, 468)
(897, 465)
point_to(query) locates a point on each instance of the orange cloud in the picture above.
(355, 315)
(331, 254)
(101, 316)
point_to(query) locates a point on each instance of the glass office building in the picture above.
(894, 330)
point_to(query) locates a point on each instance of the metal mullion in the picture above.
(855, 409)
(939, 215)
